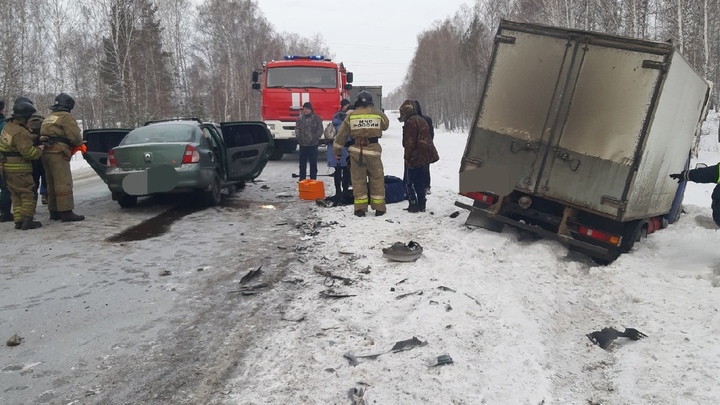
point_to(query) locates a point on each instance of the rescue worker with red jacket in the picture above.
(63, 133)
(18, 149)
(364, 125)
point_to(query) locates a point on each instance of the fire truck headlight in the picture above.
(271, 127)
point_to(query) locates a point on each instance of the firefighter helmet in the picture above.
(364, 98)
(23, 109)
(63, 102)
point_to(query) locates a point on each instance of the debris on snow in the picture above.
(251, 275)
(606, 336)
(15, 340)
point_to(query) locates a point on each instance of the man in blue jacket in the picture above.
(342, 171)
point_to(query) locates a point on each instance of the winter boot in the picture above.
(414, 208)
(359, 213)
(422, 205)
(54, 216)
(18, 225)
(43, 199)
(69, 216)
(28, 223)
(379, 213)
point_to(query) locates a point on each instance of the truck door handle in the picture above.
(516, 147)
(565, 157)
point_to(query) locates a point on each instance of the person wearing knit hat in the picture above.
(308, 132)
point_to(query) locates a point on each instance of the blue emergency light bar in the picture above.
(311, 57)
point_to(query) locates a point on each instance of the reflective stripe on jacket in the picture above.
(15, 138)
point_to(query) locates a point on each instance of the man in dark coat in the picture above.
(432, 136)
(6, 214)
(308, 131)
(710, 174)
(420, 152)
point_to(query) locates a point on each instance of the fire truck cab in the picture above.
(288, 84)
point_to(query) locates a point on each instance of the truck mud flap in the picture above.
(483, 221)
(564, 239)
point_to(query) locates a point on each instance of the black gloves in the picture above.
(679, 176)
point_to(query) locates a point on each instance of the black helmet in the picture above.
(23, 109)
(63, 102)
(364, 98)
(23, 99)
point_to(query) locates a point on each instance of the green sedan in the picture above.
(178, 156)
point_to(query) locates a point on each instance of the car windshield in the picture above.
(160, 133)
(297, 76)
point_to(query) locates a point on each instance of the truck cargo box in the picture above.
(584, 125)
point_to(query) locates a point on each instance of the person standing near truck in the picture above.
(308, 131)
(420, 152)
(364, 126)
(710, 174)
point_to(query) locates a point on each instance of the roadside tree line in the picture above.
(449, 67)
(128, 61)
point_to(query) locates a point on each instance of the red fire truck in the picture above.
(288, 84)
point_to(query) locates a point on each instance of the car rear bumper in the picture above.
(188, 179)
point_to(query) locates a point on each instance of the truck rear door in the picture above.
(601, 124)
(518, 108)
(249, 145)
(98, 143)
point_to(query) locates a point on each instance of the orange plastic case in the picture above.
(311, 189)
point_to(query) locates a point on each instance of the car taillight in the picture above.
(482, 197)
(599, 235)
(111, 162)
(191, 155)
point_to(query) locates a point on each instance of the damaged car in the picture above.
(189, 156)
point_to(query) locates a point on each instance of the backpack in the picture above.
(329, 132)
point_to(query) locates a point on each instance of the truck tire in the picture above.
(127, 201)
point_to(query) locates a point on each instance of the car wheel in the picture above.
(127, 201)
(214, 195)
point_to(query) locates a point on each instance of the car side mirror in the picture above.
(255, 76)
(348, 86)
(349, 77)
(701, 166)
(256, 86)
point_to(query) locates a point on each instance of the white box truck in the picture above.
(575, 135)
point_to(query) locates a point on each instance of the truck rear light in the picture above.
(599, 235)
(191, 155)
(111, 162)
(482, 197)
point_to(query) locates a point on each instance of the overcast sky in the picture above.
(376, 39)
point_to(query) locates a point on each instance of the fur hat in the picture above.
(407, 110)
